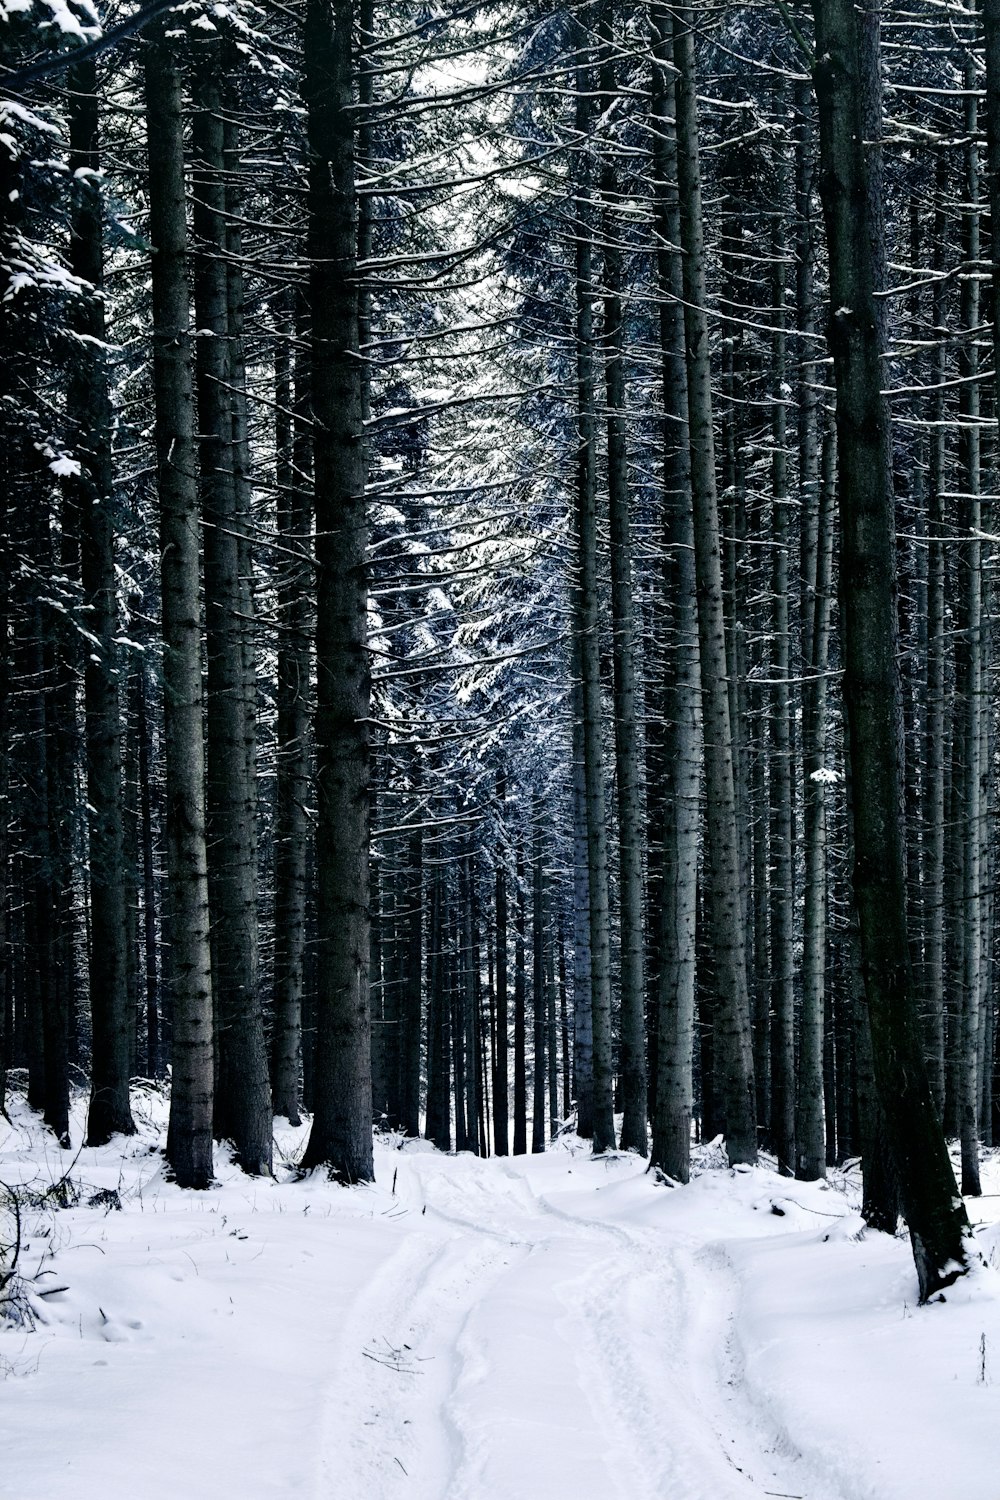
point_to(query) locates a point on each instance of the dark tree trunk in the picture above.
(847, 70)
(341, 1136)
(674, 1103)
(242, 1096)
(733, 1060)
(154, 1059)
(538, 997)
(583, 1016)
(587, 630)
(438, 1066)
(291, 830)
(501, 1123)
(520, 1019)
(189, 1139)
(89, 409)
(626, 722)
(409, 1002)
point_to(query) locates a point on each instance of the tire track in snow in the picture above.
(396, 1364)
(549, 1355)
(667, 1327)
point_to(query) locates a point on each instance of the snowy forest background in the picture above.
(428, 569)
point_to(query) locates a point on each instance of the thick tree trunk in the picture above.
(189, 1139)
(848, 69)
(341, 1136)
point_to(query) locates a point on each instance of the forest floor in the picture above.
(538, 1328)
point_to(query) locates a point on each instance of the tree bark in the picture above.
(846, 69)
(242, 1094)
(674, 1091)
(626, 724)
(291, 829)
(341, 1136)
(89, 409)
(733, 1060)
(538, 998)
(501, 1124)
(189, 1138)
(520, 1021)
(587, 628)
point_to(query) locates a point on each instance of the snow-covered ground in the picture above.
(536, 1328)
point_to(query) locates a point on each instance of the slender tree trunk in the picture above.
(470, 979)
(583, 1015)
(567, 1093)
(291, 830)
(501, 1130)
(538, 998)
(456, 990)
(587, 626)
(810, 1161)
(242, 1095)
(410, 1017)
(671, 1148)
(89, 408)
(6, 996)
(151, 960)
(551, 1038)
(733, 1060)
(969, 659)
(520, 1021)
(626, 724)
(438, 1062)
(782, 894)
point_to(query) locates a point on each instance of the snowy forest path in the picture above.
(518, 1346)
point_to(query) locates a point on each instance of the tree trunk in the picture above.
(89, 409)
(733, 1060)
(501, 1128)
(538, 998)
(520, 1020)
(189, 1139)
(626, 723)
(341, 1136)
(674, 1102)
(243, 1095)
(847, 70)
(583, 1015)
(968, 655)
(438, 1065)
(587, 629)
(291, 828)
(810, 1161)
